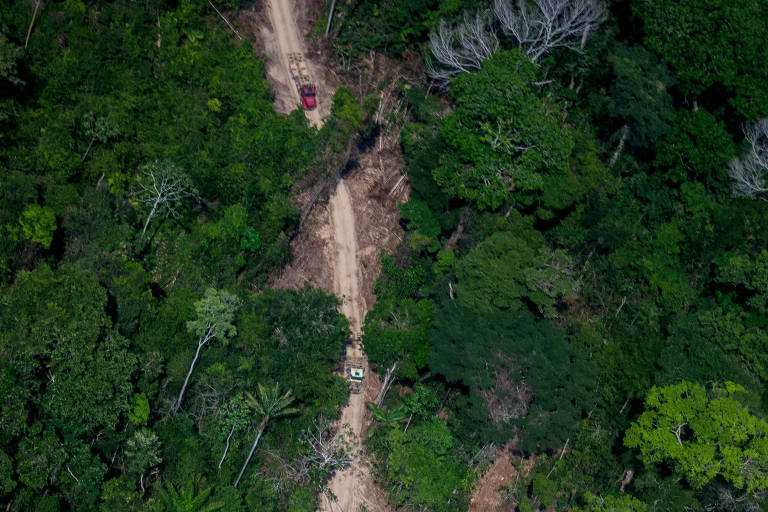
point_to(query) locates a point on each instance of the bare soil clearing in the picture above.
(507, 468)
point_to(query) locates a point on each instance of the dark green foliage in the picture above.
(398, 333)
(502, 138)
(519, 372)
(421, 461)
(712, 45)
(638, 95)
(391, 26)
(94, 317)
(511, 269)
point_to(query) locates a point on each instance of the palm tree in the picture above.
(391, 416)
(185, 500)
(269, 404)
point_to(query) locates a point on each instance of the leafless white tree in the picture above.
(162, 187)
(749, 173)
(461, 48)
(539, 26)
(330, 446)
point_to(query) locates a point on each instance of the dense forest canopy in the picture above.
(582, 281)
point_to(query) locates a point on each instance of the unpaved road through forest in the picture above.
(349, 489)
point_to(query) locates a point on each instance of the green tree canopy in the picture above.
(712, 42)
(398, 332)
(504, 141)
(511, 269)
(519, 372)
(703, 434)
(421, 461)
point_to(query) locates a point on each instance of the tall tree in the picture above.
(215, 315)
(162, 187)
(142, 452)
(504, 141)
(703, 434)
(235, 420)
(270, 404)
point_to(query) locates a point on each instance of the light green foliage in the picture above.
(423, 227)
(270, 403)
(506, 269)
(139, 414)
(389, 416)
(235, 415)
(142, 452)
(398, 332)
(703, 434)
(346, 117)
(186, 499)
(215, 315)
(503, 139)
(422, 401)
(611, 503)
(38, 223)
(422, 462)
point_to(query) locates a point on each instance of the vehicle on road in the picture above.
(355, 373)
(308, 100)
(300, 75)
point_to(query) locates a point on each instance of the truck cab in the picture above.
(308, 100)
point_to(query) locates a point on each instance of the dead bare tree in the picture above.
(162, 187)
(389, 379)
(539, 26)
(749, 173)
(461, 48)
(330, 446)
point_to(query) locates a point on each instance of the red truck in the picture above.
(308, 100)
(300, 75)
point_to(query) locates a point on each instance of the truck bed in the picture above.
(298, 70)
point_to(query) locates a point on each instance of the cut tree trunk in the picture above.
(253, 449)
(90, 145)
(29, 30)
(151, 214)
(330, 15)
(224, 455)
(389, 378)
(200, 345)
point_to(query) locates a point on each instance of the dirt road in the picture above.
(353, 487)
(286, 37)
